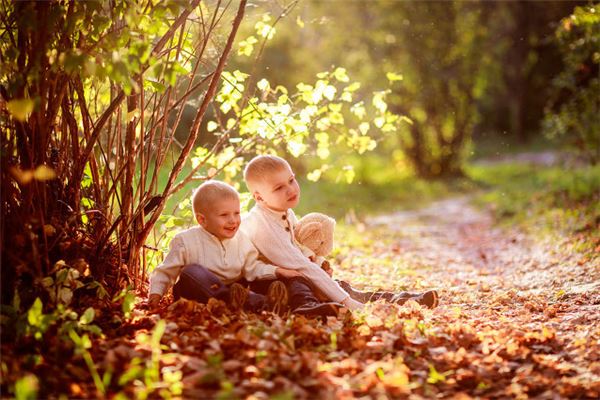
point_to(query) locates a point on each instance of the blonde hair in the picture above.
(209, 192)
(262, 165)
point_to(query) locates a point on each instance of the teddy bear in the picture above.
(314, 234)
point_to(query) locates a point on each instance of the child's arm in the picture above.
(282, 252)
(275, 243)
(167, 272)
(255, 269)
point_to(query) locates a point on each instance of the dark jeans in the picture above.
(199, 284)
(299, 290)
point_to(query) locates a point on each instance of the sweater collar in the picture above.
(213, 237)
(279, 215)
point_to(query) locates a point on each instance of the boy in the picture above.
(208, 259)
(270, 226)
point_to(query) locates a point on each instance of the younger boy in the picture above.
(270, 226)
(208, 259)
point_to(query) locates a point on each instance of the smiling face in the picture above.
(221, 217)
(278, 190)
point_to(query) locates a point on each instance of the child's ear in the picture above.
(200, 218)
(256, 196)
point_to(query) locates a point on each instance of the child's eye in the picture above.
(278, 188)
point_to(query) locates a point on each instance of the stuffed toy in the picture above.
(314, 234)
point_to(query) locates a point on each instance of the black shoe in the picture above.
(238, 295)
(357, 295)
(429, 299)
(314, 309)
(277, 297)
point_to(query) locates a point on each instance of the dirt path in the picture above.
(464, 250)
(502, 281)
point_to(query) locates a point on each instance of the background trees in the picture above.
(476, 70)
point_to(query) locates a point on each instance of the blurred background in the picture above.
(478, 79)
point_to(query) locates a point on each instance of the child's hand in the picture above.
(286, 273)
(153, 302)
(327, 267)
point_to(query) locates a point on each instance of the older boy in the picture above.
(270, 226)
(208, 259)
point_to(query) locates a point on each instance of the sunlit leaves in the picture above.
(211, 126)
(27, 388)
(231, 91)
(20, 109)
(349, 173)
(359, 110)
(246, 47)
(305, 120)
(393, 77)
(41, 173)
(314, 175)
(296, 147)
(88, 316)
(263, 84)
(264, 29)
(341, 75)
(379, 101)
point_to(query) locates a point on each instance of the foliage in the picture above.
(93, 95)
(562, 203)
(575, 115)
(503, 51)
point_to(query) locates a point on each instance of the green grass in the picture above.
(339, 199)
(544, 200)
(500, 145)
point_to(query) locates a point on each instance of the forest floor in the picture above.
(519, 317)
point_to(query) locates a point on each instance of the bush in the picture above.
(574, 112)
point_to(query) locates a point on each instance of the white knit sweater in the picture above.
(229, 259)
(272, 233)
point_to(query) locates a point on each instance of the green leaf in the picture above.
(128, 304)
(349, 173)
(34, 315)
(27, 388)
(314, 176)
(20, 109)
(393, 77)
(88, 316)
(246, 47)
(340, 75)
(364, 128)
(211, 126)
(159, 330)
(263, 84)
(435, 376)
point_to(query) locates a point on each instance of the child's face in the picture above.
(278, 191)
(222, 218)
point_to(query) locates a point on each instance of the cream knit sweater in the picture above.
(272, 233)
(229, 259)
